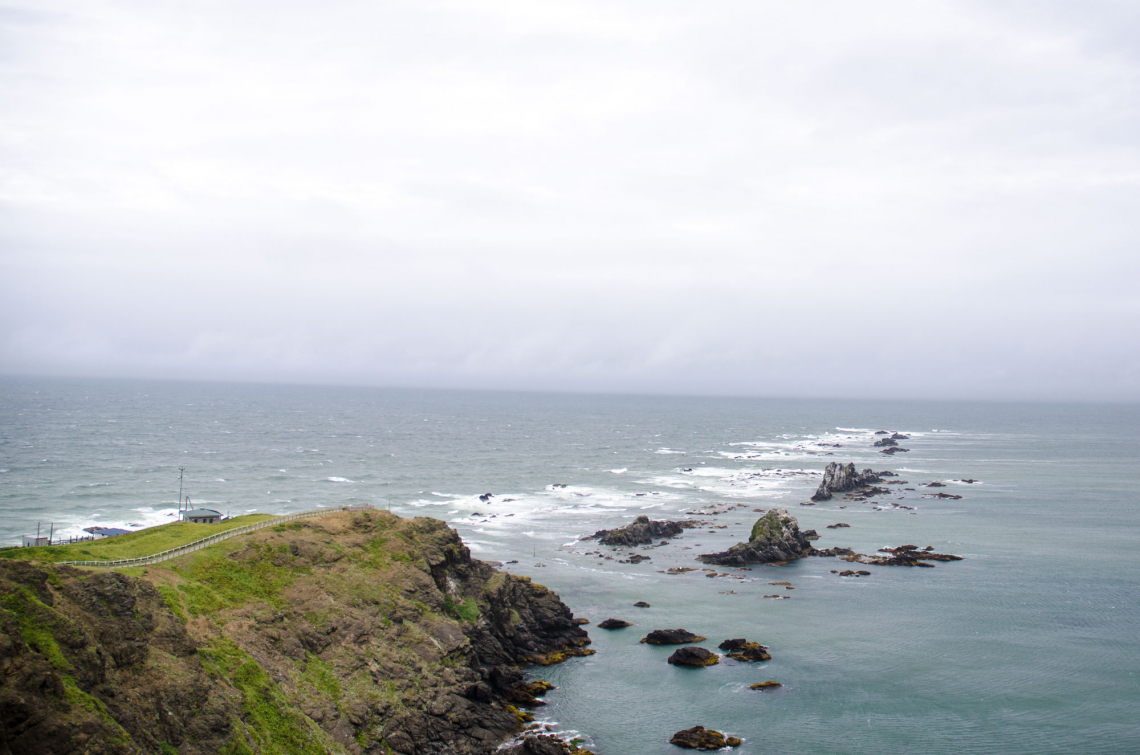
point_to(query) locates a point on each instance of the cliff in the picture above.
(354, 634)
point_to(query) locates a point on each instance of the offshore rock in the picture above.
(694, 656)
(700, 738)
(743, 650)
(841, 478)
(765, 685)
(614, 624)
(671, 637)
(775, 538)
(642, 531)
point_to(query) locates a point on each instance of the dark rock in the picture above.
(642, 531)
(942, 496)
(700, 738)
(641, 604)
(934, 485)
(841, 478)
(694, 656)
(739, 644)
(765, 685)
(671, 637)
(775, 538)
(748, 652)
(486, 497)
(885, 442)
(838, 525)
(811, 535)
(614, 624)
(894, 450)
(829, 552)
(636, 558)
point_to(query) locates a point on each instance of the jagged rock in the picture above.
(942, 496)
(700, 738)
(641, 604)
(541, 744)
(903, 555)
(899, 436)
(694, 656)
(838, 525)
(636, 558)
(841, 478)
(811, 535)
(642, 531)
(831, 552)
(935, 484)
(765, 685)
(614, 624)
(775, 538)
(885, 442)
(743, 650)
(671, 637)
(894, 450)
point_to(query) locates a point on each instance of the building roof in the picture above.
(200, 513)
(105, 531)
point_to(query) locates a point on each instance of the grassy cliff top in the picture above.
(132, 545)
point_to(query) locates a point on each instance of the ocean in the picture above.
(1028, 645)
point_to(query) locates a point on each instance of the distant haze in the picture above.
(848, 199)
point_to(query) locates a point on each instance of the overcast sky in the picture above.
(851, 199)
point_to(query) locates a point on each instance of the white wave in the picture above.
(338, 479)
(669, 451)
(623, 470)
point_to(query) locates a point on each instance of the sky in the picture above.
(877, 199)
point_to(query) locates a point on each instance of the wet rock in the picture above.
(885, 442)
(742, 650)
(831, 552)
(841, 478)
(694, 656)
(775, 538)
(636, 558)
(642, 531)
(838, 525)
(614, 624)
(641, 604)
(894, 450)
(700, 738)
(671, 637)
(942, 496)
(934, 485)
(765, 685)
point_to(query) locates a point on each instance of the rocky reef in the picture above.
(693, 655)
(741, 649)
(775, 538)
(356, 634)
(843, 478)
(671, 637)
(642, 531)
(700, 738)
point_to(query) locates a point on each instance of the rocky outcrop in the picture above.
(903, 555)
(671, 637)
(360, 634)
(765, 685)
(693, 655)
(742, 650)
(614, 624)
(700, 738)
(542, 744)
(775, 538)
(642, 531)
(842, 478)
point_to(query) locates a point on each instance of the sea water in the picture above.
(1029, 645)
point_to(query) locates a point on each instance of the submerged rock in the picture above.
(841, 478)
(642, 531)
(775, 538)
(671, 637)
(700, 738)
(765, 685)
(694, 656)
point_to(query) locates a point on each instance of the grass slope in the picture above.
(132, 545)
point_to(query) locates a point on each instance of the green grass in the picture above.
(134, 544)
(467, 611)
(273, 724)
(173, 601)
(37, 622)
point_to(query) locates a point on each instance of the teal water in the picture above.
(1029, 645)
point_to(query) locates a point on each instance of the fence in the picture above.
(208, 541)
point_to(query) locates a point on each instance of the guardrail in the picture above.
(212, 539)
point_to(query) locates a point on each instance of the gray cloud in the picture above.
(835, 199)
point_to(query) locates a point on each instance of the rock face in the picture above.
(700, 738)
(642, 531)
(694, 656)
(775, 538)
(671, 637)
(362, 633)
(614, 624)
(841, 478)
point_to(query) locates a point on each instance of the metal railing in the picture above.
(212, 539)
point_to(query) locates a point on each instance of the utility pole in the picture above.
(181, 471)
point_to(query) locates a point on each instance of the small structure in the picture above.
(101, 532)
(31, 541)
(201, 516)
